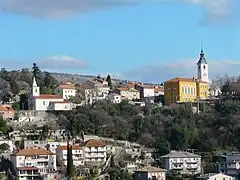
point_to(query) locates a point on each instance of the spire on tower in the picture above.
(202, 56)
(34, 82)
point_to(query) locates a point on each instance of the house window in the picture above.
(186, 90)
(174, 89)
(169, 90)
(44, 103)
(183, 90)
(36, 90)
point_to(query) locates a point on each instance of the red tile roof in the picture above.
(185, 80)
(31, 151)
(67, 86)
(94, 143)
(27, 168)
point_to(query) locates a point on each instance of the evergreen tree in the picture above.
(69, 162)
(109, 81)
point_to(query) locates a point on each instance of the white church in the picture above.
(45, 102)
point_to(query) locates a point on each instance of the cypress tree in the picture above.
(69, 162)
(109, 81)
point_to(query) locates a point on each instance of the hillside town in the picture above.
(103, 128)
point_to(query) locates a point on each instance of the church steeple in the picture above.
(35, 88)
(202, 66)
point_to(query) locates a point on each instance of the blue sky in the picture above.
(147, 41)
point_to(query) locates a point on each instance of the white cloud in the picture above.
(53, 63)
(60, 62)
(64, 8)
(183, 68)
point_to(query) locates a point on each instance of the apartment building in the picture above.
(184, 162)
(228, 163)
(77, 153)
(34, 161)
(95, 151)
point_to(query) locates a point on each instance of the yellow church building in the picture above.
(179, 90)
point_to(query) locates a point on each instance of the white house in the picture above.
(34, 160)
(147, 173)
(53, 145)
(43, 102)
(66, 90)
(95, 151)
(128, 93)
(184, 162)
(115, 98)
(77, 152)
(215, 176)
(145, 90)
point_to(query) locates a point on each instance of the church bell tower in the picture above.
(202, 67)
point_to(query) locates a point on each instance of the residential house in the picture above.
(147, 173)
(44, 102)
(101, 86)
(178, 90)
(184, 162)
(53, 145)
(67, 90)
(95, 151)
(115, 98)
(215, 176)
(158, 90)
(34, 143)
(146, 91)
(7, 112)
(77, 153)
(94, 91)
(48, 144)
(228, 163)
(34, 160)
(128, 93)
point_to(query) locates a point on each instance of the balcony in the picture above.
(177, 167)
(95, 155)
(191, 161)
(193, 166)
(95, 149)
